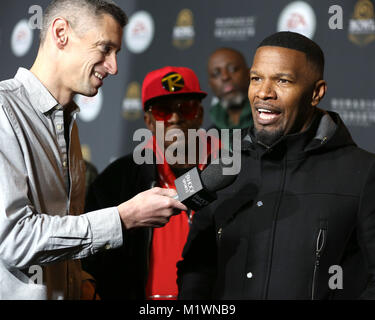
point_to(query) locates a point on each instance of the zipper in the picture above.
(189, 214)
(274, 226)
(219, 234)
(320, 241)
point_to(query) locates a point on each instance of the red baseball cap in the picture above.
(168, 81)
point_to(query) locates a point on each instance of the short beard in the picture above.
(233, 102)
(266, 137)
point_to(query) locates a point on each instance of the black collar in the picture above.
(321, 129)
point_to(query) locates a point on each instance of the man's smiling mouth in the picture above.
(267, 115)
(99, 76)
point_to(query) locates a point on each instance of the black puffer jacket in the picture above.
(296, 209)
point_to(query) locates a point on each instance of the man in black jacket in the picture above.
(145, 267)
(299, 221)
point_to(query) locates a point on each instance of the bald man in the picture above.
(229, 80)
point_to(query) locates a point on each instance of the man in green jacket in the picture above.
(229, 80)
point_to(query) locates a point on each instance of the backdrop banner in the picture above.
(184, 33)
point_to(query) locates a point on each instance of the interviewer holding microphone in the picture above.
(42, 173)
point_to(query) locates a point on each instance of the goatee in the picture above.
(233, 103)
(266, 137)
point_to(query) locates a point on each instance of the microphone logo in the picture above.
(188, 184)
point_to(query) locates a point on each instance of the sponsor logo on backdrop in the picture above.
(140, 31)
(90, 106)
(354, 111)
(22, 38)
(183, 32)
(132, 104)
(299, 17)
(86, 152)
(362, 25)
(234, 28)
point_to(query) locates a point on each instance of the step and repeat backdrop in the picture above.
(184, 33)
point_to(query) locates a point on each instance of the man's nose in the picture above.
(111, 64)
(266, 91)
(176, 117)
(224, 75)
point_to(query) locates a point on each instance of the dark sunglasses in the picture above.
(164, 111)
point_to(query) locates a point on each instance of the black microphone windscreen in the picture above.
(213, 178)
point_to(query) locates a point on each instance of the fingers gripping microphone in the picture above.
(198, 190)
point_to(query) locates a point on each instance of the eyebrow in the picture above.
(278, 75)
(285, 74)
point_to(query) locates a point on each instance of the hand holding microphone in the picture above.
(195, 190)
(152, 208)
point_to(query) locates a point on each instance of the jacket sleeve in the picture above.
(197, 271)
(366, 231)
(29, 237)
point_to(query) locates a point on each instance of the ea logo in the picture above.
(90, 106)
(22, 38)
(173, 82)
(298, 17)
(139, 32)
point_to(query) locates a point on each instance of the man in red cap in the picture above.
(145, 266)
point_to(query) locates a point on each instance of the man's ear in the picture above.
(320, 90)
(149, 121)
(60, 27)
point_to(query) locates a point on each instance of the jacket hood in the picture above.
(340, 135)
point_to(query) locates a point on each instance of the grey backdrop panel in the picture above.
(350, 68)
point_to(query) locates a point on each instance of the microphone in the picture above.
(196, 191)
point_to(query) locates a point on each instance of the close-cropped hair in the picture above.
(296, 41)
(75, 12)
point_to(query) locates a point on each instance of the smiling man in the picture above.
(42, 181)
(299, 221)
(285, 87)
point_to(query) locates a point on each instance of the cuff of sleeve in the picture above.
(106, 229)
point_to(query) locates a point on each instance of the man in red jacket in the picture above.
(145, 267)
